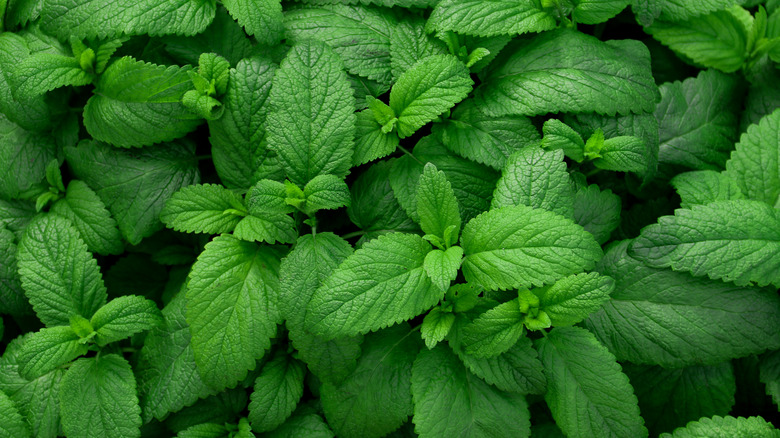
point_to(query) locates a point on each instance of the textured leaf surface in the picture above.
(12, 298)
(572, 299)
(370, 142)
(704, 186)
(658, 316)
(261, 18)
(59, 275)
(278, 389)
(724, 427)
(520, 246)
(47, 349)
(769, 374)
(83, 207)
(597, 211)
(492, 17)
(123, 317)
(410, 43)
(442, 266)
(25, 154)
(232, 308)
(304, 421)
(755, 164)
(269, 228)
(12, 424)
(597, 11)
(587, 392)
(678, 10)
(437, 206)
(493, 332)
(201, 209)
(32, 114)
(326, 192)
(44, 72)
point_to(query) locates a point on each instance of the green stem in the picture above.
(403, 149)
(353, 234)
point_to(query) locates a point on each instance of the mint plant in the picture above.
(321, 218)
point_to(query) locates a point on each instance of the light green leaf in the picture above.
(755, 164)
(683, 10)
(271, 228)
(572, 299)
(89, 215)
(134, 185)
(123, 317)
(326, 192)
(98, 399)
(538, 179)
(428, 88)
(584, 381)
(658, 316)
(623, 154)
(138, 104)
(726, 427)
(59, 275)
(435, 326)
(232, 308)
(597, 11)
(437, 206)
(24, 155)
(44, 72)
(442, 266)
(450, 401)
(268, 196)
(201, 209)
(489, 18)
(382, 283)
(312, 123)
(47, 349)
(704, 186)
(261, 18)
(597, 211)
(277, 391)
(736, 240)
(493, 332)
(538, 76)
(12, 424)
(410, 43)
(376, 398)
(558, 135)
(370, 142)
(95, 18)
(521, 246)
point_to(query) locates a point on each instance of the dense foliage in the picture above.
(367, 218)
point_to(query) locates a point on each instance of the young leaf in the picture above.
(277, 391)
(493, 332)
(314, 135)
(370, 141)
(584, 381)
(269, 228)
(442, 266)
(572, 299)
(623, 154)
(232, 308)
(705, 186)
(597, 211)
(537, 77)
(59, 275)
(755, 164)
(428, 88)
(326, 192)
(47, 349)
(489, 18)
(304, 421)
(436, 205)
(261, 18)
(382, 283)
(520, 246)
(736, 240)
(558, 135)
(471, 408)
(202, 209)
(12, 424)
(123, 317)
(44, 72)
(725, 427)
(435, 326)
(98, 399)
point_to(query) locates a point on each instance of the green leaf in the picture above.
(442, 266)
(736, 240)
(755, 164)
(558, 135)
(597, 11)
(670, 398)
(538, 179)
(266, 197)
(94, 18)
(59, 275)
(326, 192)
(572, 299)
(303, 422)
(221, 408)
(597, 211)
(428, 88)
(583, 382)
(725, 427)
(489, 18)
(717, 40)
(312, 123)
(472, 134)
(98, 399)
(261, 18)
(48, 349)
(437, 206)
(623, 154)
(205, 430)
(410, 43)
(32, 114)
(89, 215)
(537, 77)
(12, 424)
(277, 391)
(450, 401)
(202, 209)
(376, 398)
(168, 378)
(493, 332)
(704, 186)
(232, 308)
(123, 317)
(769, 374)
(520, 246)
(269, 228)
(359, 35)
(134, 185)
(24, 154)
(370, 141)
(698, 121)
(137, 104)
(679, 11)
(44, 72)
(435, 326)
(658, 316)
(381, 284)
(12, 298)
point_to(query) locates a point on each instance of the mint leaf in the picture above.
(31, 114)
(44, 72)
(370, 141)
(268, 196)
(134, 185)
(410, 43)
(583, 381)
(436, 206)
(558, 135)
(12, 298)
(304, 421)
(59, 275)
(722, 427)
(537, 77)
(704, 186)
(47, 349)
(98, 399)
(623, 154)
(538, 179)
(83, 207)
(137, 104)
(496, 17)
(572, 299)
(232, 308)
(25, 153)
(755, 164)
(435, 326)
(376, 398)
(11, 423)
(597, 11)
(380, 284)
(442, 266)
(450, 401)
(520, 246)
(326, 192)
(313, 136)
(123, 317)
(769, 374)
(734, 240)
(202, 209)
(493, 332)
(427, 89)
(278, 389)
(261, 18)
(269, 228)
(472, 134)
(658, 316)
(597, 211)
(678, 11)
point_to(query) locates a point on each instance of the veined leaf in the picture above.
(277, 391)
(410, 43)
(30, 114)
(123, 317)
(572, 299)
(25, 153)
(705, 186)
(437, 207)
(202, 208)
(597, 211)
(44, 72)
(12, 298)
(755, 164)
(261, 18)
(491, 17)
(494, 331)
(597, 11)
(724, 427)
(47, 349)
(12, 424)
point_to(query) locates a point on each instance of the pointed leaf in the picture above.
(488, 18)
(12, 424)
(755, 164)
(201, 209)
(436, 204)
(326, 192)
(435, 326)
(44, 72)
(269, 228)
(702, 187)
(597, 211)
(47, 349)
(261, 18)
(123, 317)
(723, 427)
(493, 332)
(277, 391)
(572, 299)
(442, 266)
